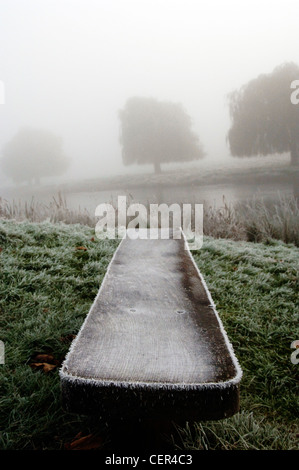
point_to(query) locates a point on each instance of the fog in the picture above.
(69, 65)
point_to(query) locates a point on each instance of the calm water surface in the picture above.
(212, 195)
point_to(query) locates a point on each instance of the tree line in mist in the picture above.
(264, 121)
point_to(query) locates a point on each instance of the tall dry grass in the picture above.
(55, 211)
(256, 220)
(264, 221)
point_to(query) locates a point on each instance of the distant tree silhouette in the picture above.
(264, 120)
(33, 154)
(157, 132)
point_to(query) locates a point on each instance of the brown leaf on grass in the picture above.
(44, 362)
(81, 248)
(43, 365)
(89, 442)
(45, 358)
(92, 239)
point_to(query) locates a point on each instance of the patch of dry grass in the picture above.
(255, 220)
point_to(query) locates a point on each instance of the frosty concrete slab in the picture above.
(152, 343)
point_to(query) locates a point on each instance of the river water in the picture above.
(211, 195)
(215, 195)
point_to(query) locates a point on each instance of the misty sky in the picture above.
(70, 65)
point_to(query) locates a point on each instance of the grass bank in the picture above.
(273, 169)
(47, 284)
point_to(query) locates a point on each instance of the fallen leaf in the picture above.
(44, 361)
(81, 248)
(92, 239)
(43, 365)
(45, 358)
(89, 442)
(48, 367)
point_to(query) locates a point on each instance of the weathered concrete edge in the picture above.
(239, 372)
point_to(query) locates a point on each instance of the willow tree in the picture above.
(32, 154)
(264, 120)
(157, 132)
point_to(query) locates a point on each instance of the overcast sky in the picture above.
(70, 65)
